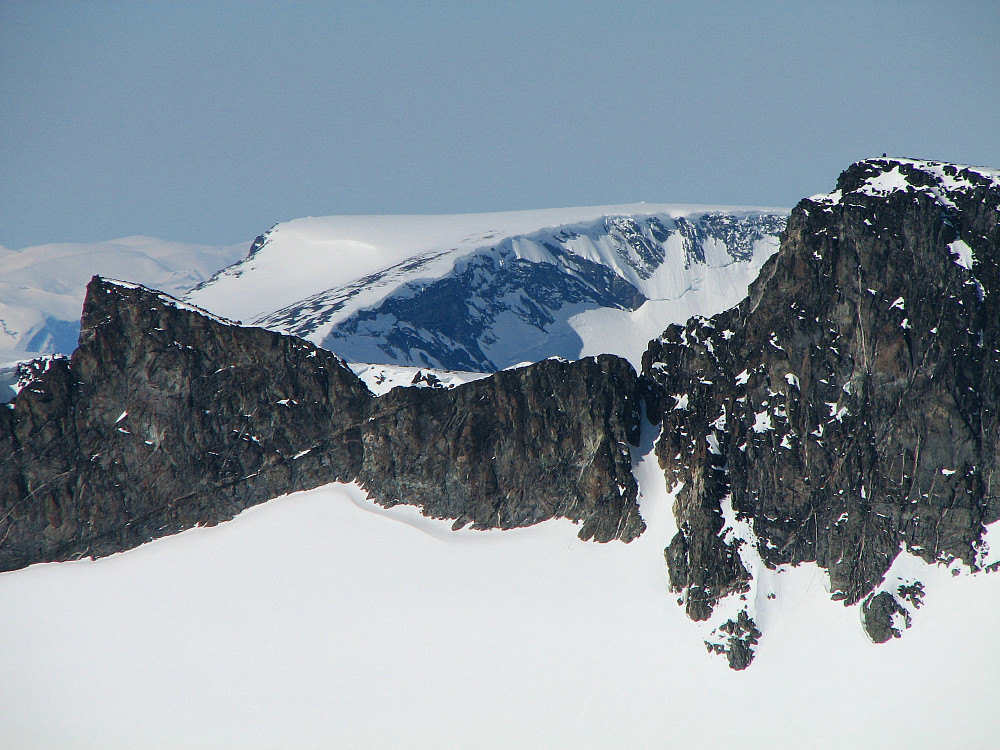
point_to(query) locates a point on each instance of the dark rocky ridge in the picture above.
(521, 446)
(846, 410)
(849, 407)
(165, 418)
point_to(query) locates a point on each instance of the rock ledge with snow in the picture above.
(849, 408)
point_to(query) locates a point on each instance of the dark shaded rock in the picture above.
(739, 638)
(849, 406)
(516, 448)
(743, 636)
(879, 616)
(427, 379)
(166, 418)
(912, 593)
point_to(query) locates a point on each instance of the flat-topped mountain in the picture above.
(482, 292)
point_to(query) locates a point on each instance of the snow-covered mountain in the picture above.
(320, 619)
(322, 615)
(42, 288)
(481, 292)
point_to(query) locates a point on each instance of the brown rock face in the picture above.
(545, 441)
(848, 407)
(165, 418)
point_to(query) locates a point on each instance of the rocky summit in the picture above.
(848, 408)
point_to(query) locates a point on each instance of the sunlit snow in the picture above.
(381, 379)
(312, 274)
(321, 620)
(42, 288)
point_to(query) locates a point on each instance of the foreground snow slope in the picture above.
(485, 291)
(42, 288)
(320, 620)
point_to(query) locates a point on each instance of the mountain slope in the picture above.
(320, 619)
(483, 292)
(844, 416)
(42, 288)
(847, 411)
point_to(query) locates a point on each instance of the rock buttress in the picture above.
(549, 440)
(848, 408)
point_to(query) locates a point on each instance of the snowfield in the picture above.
(321, 620)
(312, 254)
(42, 288)
(381, 379)
(484, 291)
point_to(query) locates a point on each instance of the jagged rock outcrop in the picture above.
(884, 617)
(849, 407)
(542, 441)
(165, 418)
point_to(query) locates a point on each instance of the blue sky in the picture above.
(208, 122)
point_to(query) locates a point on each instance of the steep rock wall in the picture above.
(166, 418)
(848, 408)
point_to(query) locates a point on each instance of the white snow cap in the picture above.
(310, 275)
(889, 175)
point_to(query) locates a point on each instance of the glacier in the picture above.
(481, 292)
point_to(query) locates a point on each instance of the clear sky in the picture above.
(210, 121)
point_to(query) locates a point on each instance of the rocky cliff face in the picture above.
(845, 413)
(521, 446)
(848, 409)
(165, 418)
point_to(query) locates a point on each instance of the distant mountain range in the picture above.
(484, 292)
(471, 292)
(42, 288)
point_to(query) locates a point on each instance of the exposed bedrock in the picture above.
(166, 418)
(847, 409)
